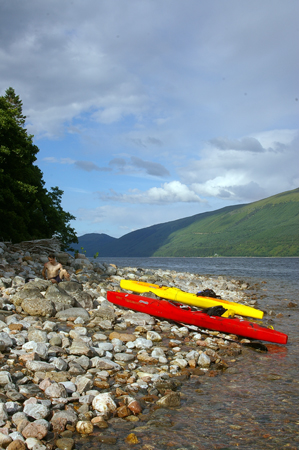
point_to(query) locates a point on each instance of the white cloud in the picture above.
(172, 192)
(246, 176)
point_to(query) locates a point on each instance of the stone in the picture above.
(203, 360)
(125, 357)
(170, 400)
(35, 430)
(56, 390)
(68, 414)
(65, 443)
(5, 378)
(84, 362)
(18, 417)
(34, 444)
(16, 444)
(69, 386)
(84, 427)
(73, 312)
(182, 363)
(104, 404)
(78, 332)
(36, 411)
(153, 336)
(106, 311)
(38, 307)
(79, 347)
(37, 335)
(39, 366)
(124, 337)
(143, 343)
(6, 339)
(139, 319)
(40, 348)
(3, 412)
(58, 424)
(59, 297)
(105, 364)
(83, 384)
(60, 364)
(5, 440)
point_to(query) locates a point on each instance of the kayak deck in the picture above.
(175, 294)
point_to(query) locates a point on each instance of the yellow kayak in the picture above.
(175, 294)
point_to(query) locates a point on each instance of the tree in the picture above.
(27, 209)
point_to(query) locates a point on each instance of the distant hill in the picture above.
(268, 227)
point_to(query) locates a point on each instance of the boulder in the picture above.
(39, 307)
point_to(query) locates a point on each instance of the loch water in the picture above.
(255, 403)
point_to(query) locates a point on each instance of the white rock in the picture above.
(196, 337)
(38, 347)
(143, 343)
(104, 404)
(39, 366)
(36, 411)
(157, 352)
(56, 390)
(180, 362)
(16, 436)
(60, 364)
(192, 355)
(6, 339)
(153, 336)
(3, 412)
(116, 342)
(204, 360)
(130, 344)
(32, 442)
(78, 332)
(69, 386)
(49, 326)
(12, 407)
(105, 346)
(5, 378)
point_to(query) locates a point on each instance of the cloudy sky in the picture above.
(146, 111)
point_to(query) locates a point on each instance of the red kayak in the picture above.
(179, 313)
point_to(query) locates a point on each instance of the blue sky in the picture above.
(147, 111)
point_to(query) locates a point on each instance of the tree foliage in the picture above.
(27, 209)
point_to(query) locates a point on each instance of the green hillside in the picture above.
(269, 227)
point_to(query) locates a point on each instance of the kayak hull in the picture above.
(166, 310)
(177, 295)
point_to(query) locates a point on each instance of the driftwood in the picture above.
(38, 246)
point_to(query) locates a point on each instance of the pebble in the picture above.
(88, 364)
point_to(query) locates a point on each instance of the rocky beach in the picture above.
(74, 366)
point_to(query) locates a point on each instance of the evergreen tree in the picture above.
(27, 209)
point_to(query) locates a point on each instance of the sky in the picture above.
(147, 111)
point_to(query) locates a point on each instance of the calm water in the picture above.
(254, 404)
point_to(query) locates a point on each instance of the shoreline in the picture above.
(74, 364)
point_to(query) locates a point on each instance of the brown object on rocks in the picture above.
(16, 445)
(125, 337)
(59, 424)
(132, 439)
(172, 399)
(123, 411)
(291, 305)
(65, 443)
(35, 430)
